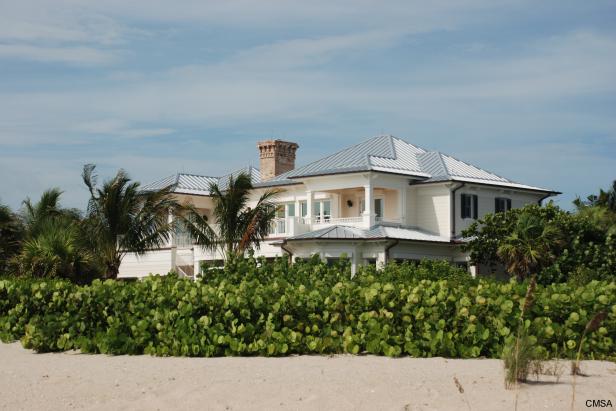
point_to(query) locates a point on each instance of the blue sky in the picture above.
(525, 89)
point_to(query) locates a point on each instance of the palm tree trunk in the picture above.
(113, 269)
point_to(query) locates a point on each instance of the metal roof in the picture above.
(254, 173)
(341, 232)
(383, 153)
(390, 154)
(183, 183)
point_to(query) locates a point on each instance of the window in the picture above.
(316, 209)
(291, 210)
(502, 204)
(327, 210)
(280, 211)
(303, 205)
(322, 209)
(378, 207)
(468, 206)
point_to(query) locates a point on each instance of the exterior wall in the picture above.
(360, 252)
(155, 262)
(432, 207)
(485, 202)
(425, 207)
(411, 206)
(419, 251)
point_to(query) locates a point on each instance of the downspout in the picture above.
(389, 247)
(453, 209)
(543, 198)
(286, 250)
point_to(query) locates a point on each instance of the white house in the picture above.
(381, 200)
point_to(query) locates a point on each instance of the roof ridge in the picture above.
(197, 175)
(347, 148)
(479, 168)
(440, 159)
(411, 144)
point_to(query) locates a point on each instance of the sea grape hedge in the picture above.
(310, 309)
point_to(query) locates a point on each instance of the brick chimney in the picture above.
(276, 157)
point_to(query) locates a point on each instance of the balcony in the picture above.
(291, 226)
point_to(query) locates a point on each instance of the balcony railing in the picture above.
(286, 227)
(278, 227)
(330, 220)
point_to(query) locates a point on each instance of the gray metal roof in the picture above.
(341, 232)
(390, 154)
(254, 173)
(384, 153)
(183, 183)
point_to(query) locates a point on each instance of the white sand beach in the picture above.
(61, 381)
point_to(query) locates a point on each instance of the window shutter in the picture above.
(497, 205)
(508, 204)
(475, 206)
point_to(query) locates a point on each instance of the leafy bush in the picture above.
(584, 245)
(308, 308)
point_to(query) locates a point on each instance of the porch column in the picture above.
(368, 205)
(381, 260)
(355, 261)
(170, 219)
(309, 199)
(402, 205)
(171, 242)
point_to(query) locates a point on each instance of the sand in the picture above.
(61, 381)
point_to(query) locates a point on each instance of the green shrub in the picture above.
(308, 308)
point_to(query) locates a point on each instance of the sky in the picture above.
(525, 89)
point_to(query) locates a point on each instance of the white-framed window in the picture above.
(322, 210)
(377, 209)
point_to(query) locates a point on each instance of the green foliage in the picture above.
(582, 243)
(121, 218)
(308, 308)
(606, 199)
(519, 354)
(56, 251)
(53, 243)
(237, 226)
(529, 246)
(11, 234)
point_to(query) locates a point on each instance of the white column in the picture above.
(309, 200)
(368, 205)
(171, 240)
(402, 205)
(354, 262)
(196, 266)
(380, 260)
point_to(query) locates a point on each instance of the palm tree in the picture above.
(237, 227)
(36, 215)
(123, 219)
(605, 199)
(56, 251)
(529, 246)
(11, 234)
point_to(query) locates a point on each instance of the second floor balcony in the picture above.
(291, 226)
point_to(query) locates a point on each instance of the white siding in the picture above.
(432, 209)
(485, 204)
(155, 262)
